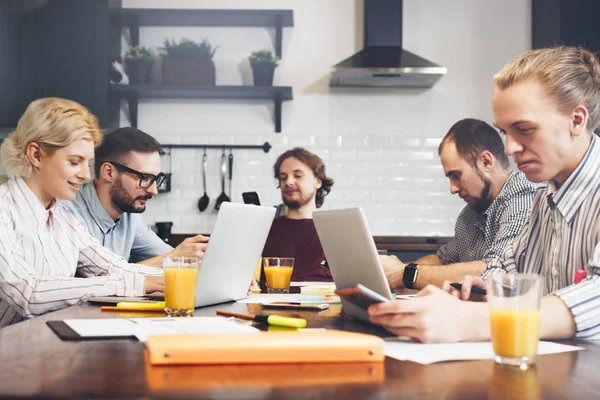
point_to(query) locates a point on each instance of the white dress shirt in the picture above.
(46, 254)
(559, 238)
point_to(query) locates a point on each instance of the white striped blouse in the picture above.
(559, 238)
(46, 254)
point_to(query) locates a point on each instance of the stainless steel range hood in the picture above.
(383, 61)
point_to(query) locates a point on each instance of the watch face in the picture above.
(410, 273)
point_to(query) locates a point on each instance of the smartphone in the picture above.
(361, 296)
(298, 306)
(251, 198)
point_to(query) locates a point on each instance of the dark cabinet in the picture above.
(9, 63)
(62, 48)
(59, 48)
(567, 22)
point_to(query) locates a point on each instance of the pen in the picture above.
(275, 320)
(474, 290)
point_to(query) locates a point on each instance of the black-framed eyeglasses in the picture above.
(146, 180)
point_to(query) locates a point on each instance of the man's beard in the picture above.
(484, 200)
(120, 198)
(296, 204)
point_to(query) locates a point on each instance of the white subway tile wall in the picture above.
(380, 144)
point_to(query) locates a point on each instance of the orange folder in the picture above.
(330, 346)
(184, 378)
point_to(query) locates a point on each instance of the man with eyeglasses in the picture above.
(128, 173)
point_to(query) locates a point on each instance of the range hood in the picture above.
(383, 61)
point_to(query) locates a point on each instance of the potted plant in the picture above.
(188, 62)
(263, 65)
(138, 63)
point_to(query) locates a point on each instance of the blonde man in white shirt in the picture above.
(48, 260)
(547, 104)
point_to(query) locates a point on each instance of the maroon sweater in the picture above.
(298, 238)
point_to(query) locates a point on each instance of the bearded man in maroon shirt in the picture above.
(304, 185)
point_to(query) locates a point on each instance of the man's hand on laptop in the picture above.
(194, 246)
(394, 269)
(155, 284)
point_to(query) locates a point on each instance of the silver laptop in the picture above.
(351, 254)
(236, 243)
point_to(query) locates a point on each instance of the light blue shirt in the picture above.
(129, 236)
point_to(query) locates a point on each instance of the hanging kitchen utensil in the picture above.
(204, 200)
(163, 230)
(223, 172)
(230, 172)
(165, 186)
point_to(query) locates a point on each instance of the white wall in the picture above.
(379, 144)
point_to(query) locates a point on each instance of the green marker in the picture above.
(275, 320)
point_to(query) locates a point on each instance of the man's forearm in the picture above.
(431, 259)
(437, 274)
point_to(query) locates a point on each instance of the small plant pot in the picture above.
(138, 72)
(196, 72)
(263, 74)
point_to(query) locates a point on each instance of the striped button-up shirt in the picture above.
(484, 236)
(559, 238)
(45, 253)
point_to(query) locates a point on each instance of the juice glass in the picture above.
(258, 270)
(181, 275)
(515, 317)
(278, 271)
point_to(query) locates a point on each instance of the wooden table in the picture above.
(34, 362)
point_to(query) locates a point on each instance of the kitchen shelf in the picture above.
(134, 18)
(132, 93)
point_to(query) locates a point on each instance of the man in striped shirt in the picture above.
(48, 260)
(498, 201)
(547, 103)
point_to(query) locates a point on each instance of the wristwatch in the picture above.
(410, 275)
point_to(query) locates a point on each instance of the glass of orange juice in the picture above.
(258, 270)
(515, 317)
(278, 271)
(181, 275)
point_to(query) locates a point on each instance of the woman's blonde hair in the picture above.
(52, 123)
(570, 75)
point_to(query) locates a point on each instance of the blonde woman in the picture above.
(547, 104)
(48, 261)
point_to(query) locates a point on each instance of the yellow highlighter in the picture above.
(275, 320)
(140, 306)
(132, 306)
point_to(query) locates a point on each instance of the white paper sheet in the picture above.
(290, 298)
(427, 353)
(108, 327)
(142, 327)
